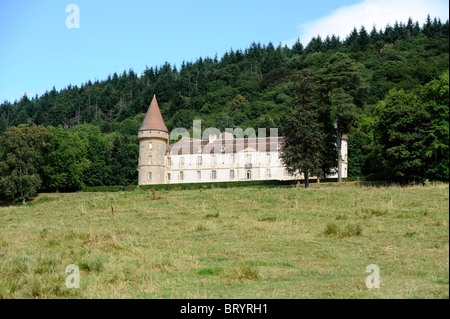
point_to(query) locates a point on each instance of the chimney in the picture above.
(212, 137)
(227, 136)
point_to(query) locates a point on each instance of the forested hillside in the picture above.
(244, 88)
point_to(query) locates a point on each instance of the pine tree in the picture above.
(363, 39)
(297, 48)
(303, 138)
(341, 84)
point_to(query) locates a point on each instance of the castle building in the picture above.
(219, 158)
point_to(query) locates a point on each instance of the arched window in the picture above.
(249, 174)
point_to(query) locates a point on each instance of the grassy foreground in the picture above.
(248, 242)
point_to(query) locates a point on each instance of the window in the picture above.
(150, 176)
(223, 148)
(249, 174)
(181, 176)
(231, 174)
(268, 157)
(181, 161)
(149, 160)
(199, 174)
(168, 177)
(249, 158)
(232, 158)
(278, 146)
(199, 160)
(169, 161)
(213, 175)
(214, 160)
(268, 172)
(150, 146)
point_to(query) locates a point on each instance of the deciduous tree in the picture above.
(21, 154)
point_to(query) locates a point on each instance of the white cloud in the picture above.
(372, 12)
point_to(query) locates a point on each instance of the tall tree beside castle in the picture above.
(303, 136)
(342, 95)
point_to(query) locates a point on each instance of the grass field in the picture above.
(247, 242)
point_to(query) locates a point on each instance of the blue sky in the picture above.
(38, 51)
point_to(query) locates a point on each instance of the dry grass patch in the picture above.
(313, 243)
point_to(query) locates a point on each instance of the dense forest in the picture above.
(89, 133)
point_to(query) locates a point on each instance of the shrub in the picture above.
(244, 271)
(353, 230)
(210, 271)
(332, 229)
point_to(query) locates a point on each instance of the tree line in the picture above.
(258, 87)
(406, 139)
(35, 158)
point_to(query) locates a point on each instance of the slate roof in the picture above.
(188, 145)
(153, 119)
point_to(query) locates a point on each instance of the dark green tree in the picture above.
(67, 160)
(360, 146)
(21, 155)
(401, 131)
(363, 39)
(435, 99)
(297, 48)
(303, 138)
(99, 148)
(341, 90)
(124, 160)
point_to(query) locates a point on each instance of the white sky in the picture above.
(372, 12)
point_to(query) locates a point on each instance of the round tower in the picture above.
(153, 139)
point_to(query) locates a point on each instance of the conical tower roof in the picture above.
(153, 119)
